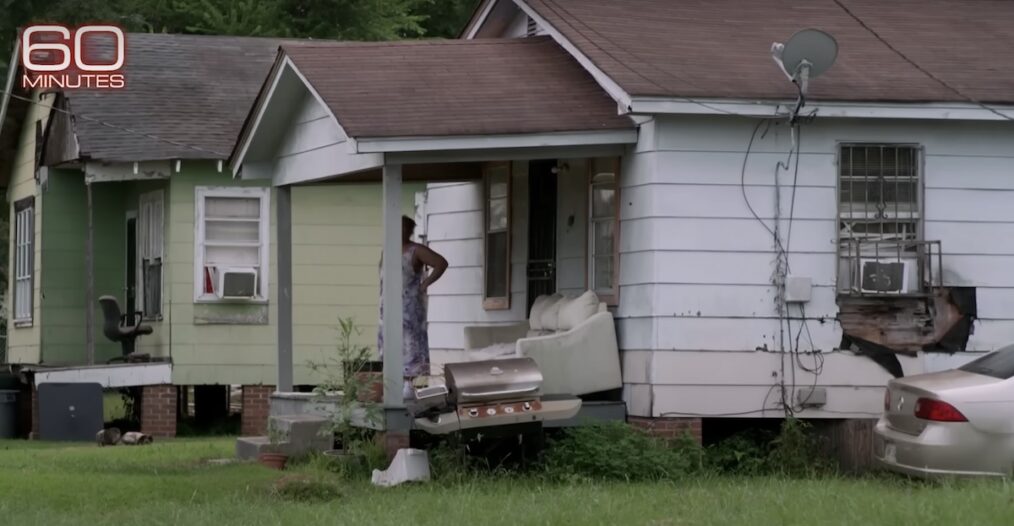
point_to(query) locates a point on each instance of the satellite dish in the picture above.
(806, 55)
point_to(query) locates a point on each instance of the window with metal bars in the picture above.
(879, 213)
(878, 192)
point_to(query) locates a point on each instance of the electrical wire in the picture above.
(915, 65)
(52, 107)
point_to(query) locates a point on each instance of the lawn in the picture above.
(172, 483)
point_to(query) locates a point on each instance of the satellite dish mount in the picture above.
(805, 56)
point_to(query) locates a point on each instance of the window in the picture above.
(878, 197)
(497, 220)
(150, 248)
(879, 234)
(602, 228)
(24, 260)
(231, 259)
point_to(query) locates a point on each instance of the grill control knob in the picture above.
(491, 411)
(527, 406)
(473, 413)
(508, 410)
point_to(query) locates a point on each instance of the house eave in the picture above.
(840, 109)
(485, 142)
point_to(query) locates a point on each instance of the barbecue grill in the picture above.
(488, 393)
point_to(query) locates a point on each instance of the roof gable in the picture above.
(186, 97)
(455, 87)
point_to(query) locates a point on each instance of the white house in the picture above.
(696, 270)
(754, 266)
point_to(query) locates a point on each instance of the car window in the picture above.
(998, 364)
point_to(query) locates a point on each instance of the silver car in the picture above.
(958, 422)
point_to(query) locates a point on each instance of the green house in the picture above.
(123, 193)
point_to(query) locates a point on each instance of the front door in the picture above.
(131, 288)
(541, 230)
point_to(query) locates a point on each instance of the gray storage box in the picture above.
(70, 412)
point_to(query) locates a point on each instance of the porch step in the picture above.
(303, 430)
(303, 434)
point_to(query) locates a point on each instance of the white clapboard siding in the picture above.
(454, 217)
(696, 265)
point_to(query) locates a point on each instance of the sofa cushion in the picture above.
(577, 310)
(538, 309)
(551, 314)
(496, 351)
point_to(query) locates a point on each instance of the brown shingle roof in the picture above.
(189, 89)
(455, 87)
(721, 48)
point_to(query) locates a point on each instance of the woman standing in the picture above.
(415, 341)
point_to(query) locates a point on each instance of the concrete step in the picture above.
(248, 448)
(302, 429)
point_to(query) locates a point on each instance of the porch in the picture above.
(308, 128)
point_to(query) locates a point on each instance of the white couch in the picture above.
(573, 340)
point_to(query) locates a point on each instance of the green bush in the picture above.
(793, 451)
(616, 451)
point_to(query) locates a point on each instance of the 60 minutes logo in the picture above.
(56, 56)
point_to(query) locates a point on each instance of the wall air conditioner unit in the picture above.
(884, 276)
(236, 283)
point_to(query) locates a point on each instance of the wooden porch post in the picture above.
(90, 278)
(284, 226)
(393, 360)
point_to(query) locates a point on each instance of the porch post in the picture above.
(89, 278)
(392, 331)
(284, 226)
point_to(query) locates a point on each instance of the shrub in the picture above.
(616, 451)
(793, 451)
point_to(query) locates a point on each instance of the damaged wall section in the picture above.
(881, 327)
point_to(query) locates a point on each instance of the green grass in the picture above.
(171, 483)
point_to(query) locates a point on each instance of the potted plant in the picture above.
(273, 456)
(355, 384)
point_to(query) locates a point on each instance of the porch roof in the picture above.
(455, 88)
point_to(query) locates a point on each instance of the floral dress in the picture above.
(415, 342)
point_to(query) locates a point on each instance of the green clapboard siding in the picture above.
(63, 271)
(337, 236)
(23, 342)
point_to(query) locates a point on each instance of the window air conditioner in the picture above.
(236, 283)
(883, 276)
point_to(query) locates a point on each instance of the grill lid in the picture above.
(492, 380)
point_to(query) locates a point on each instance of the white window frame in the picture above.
(24, 262)
(609, 296)
(202, 193)
(150, 248)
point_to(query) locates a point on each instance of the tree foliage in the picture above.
(321, 19)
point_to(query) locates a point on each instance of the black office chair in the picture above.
(123, 328)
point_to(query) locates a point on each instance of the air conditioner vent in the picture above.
(880, 276)
(237, 283)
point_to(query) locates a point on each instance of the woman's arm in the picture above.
(433, 260)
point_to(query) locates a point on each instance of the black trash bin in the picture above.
(8, 413)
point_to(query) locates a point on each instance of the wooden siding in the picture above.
(212, 352)
(696, 266)
(337, 233)
(24, 343)
(63, 270)
(454, 229)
